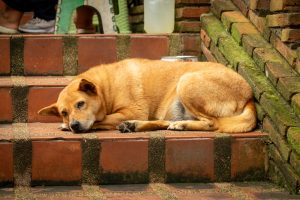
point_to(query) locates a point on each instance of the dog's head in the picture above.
(79, 104)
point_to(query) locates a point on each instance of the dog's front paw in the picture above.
(64, 127)
(127, 127)
(176, 126)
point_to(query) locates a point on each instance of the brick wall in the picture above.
(258, 39)
(187, 15)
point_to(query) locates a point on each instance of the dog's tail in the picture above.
(244, 122)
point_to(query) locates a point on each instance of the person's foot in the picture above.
(37, 25)
(9, 20)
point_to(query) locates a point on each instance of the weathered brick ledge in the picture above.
(37, 153)
(234, 41)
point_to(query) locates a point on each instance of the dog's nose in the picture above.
(75, 126)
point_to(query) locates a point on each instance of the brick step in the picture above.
(22, 97)
(72, 54)
(39, 153)
(154, 191)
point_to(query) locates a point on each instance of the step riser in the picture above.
(106, 159)
(20, 103)
(70, 55)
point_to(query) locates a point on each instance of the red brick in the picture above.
(6, 105)
(56, 161)
(243, 7)
(290, 35)
(126, 156)
(151, 47)
(4, 55)
(191, 159)
(240, 29)
(191, 43)
(247, 154)
(207, 53)
(188, 26)
(43, 56)
(94, 51)
(283, 19)
(232, 17)
(126, 196)
(6, 162)
(191, 12)
(39, 97)
(277, 5)
(260, 23)
(259, 4)
(289, 54)
(205, 38)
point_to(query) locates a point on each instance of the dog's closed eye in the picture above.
(80, 104)
(64, 113)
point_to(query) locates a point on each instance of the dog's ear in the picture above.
(87, 87)
(49, 110)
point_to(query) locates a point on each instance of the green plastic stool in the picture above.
(111, 22)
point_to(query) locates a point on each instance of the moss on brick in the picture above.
(279, 111)
(260, 112)
(220, 6)
(70, 52)
(175, 45)
(218, 55)
(238, 30)
(123, 178)
(250, 42)
(17, 55)
(263, 55)
(222, 149)
(213, 27)
(123, 42)
(288, 86)
(295, 162)
(256, 79)
(277, 139)
(296, 104)
(293, 137)
(234, 53)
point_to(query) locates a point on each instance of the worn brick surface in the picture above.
(259, 4)
(240, 29)
(277, 138)
(260, 23)
(94, 51)
(207, 53)
(187, 26)
(43, 56)
(289, 54)
(6, 162)
(6, 105)
(274, 71)
(220, 6)
(56, 161)
(247, 158)
(152, 47)
(190, 159)
(250, 42)
(191, 12)
(277, 5)
(40, 97)
(296, 103)
(290, 35)
(191, 43)
(230, 17)
(283, 19)
(263, 55)
(123, 157)
(4, 55)
(288, 86)
(242, 6)
(205, 39)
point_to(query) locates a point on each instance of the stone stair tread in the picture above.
(10, 81)
(212, 191)
(49, 131)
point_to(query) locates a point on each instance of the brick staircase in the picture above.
(33, 151)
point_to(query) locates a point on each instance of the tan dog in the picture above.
(144, 95)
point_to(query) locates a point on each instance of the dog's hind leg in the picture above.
(138, 126)
(191, 125)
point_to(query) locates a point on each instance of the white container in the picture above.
(180, 58)
(159, 16)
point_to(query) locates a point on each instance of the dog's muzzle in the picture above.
(76, 126)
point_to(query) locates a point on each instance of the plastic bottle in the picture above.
(159, 16)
